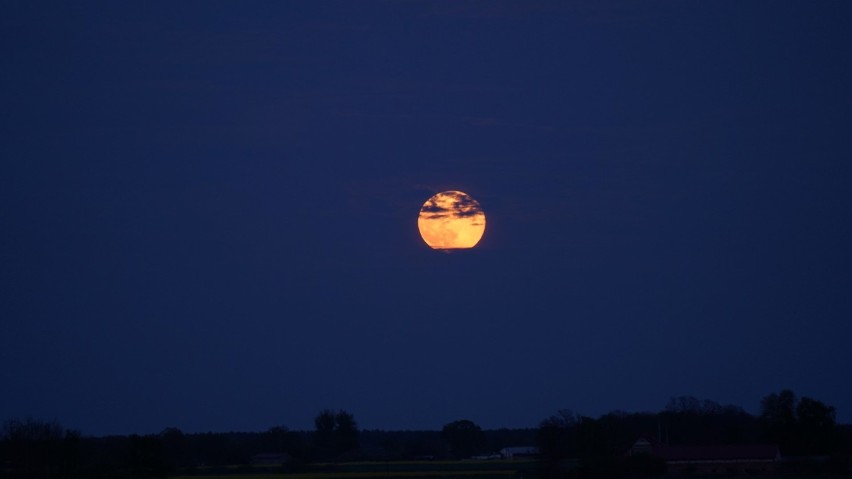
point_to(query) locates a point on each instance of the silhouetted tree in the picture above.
(556, 441)
(803, 427)
(324, 437)
(33, 448)
(346, 433)
(817, 429)
(778, 417)
(463, 437)
(336, 434)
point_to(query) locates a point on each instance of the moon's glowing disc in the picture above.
(451, 220)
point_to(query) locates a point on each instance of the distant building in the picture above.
(718, 459)
(486, 457)
(270, 459)
(518, 452)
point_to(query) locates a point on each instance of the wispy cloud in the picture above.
(454, 204)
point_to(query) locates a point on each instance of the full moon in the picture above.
(451, 220)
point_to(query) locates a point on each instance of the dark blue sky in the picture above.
(208, 209)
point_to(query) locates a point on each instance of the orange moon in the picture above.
(451, 220)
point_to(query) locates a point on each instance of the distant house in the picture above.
(486, 457)
(518, 452)
(718, 459)
(270, 459)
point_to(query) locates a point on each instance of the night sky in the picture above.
(208, 210)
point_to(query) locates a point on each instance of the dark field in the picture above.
(496, 469)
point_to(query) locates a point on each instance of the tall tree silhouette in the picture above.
(817, 429)
(346, 433)
(557, 440)
(336, 434)
(778, 419)
(463, 437)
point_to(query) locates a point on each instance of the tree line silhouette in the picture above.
(801, 427)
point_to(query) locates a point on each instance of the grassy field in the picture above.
(379, 470)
